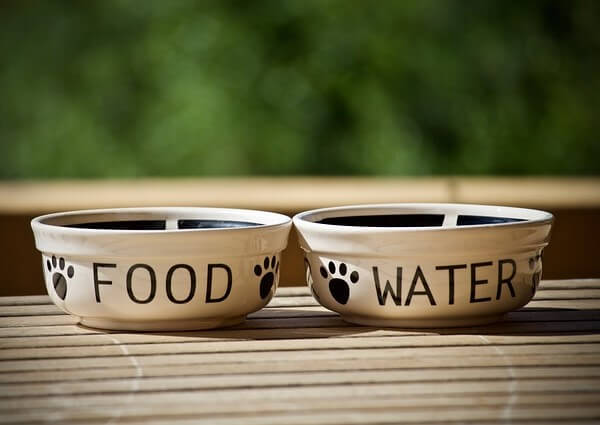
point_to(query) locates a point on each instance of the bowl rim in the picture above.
(538, 217)
(273, 220)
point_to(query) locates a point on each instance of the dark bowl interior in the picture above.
(162, 224)
(412, 220)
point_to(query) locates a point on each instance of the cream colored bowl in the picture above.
(161, 268)
(423, 265)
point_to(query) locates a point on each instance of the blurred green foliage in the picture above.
(113, 88)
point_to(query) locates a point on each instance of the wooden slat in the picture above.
(579, 304)
(557, 294)
(197, 367)
(569, 284)
(394, 416)
(207, 382)
(309, 355)
(28, 300)
(289, 391)
(113, 347)
(357, 415)
(405, 403)
(97, 338)
(173, 413)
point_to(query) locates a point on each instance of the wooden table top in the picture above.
(296, 363)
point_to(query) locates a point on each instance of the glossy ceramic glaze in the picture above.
(423, 265)
(161, 268)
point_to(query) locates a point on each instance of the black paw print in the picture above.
(58, 277)
(339, 288)
(266, 282)
(534, 260)
(537, 275)
(309, 279)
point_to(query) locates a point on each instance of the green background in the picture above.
(317, 87)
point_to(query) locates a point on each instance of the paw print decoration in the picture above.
(534, 265)
(338, 286)
(267, 274)
(59, 275)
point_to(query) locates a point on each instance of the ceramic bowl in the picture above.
(161, 268)
(423, 265)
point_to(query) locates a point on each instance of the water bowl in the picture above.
(423, 265)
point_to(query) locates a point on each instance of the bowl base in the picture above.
(160, 325)
(458, 322)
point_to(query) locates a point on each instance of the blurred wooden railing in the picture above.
(573, 252)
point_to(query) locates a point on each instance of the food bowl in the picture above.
(423, 265)
(161, 268)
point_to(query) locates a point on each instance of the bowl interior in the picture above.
(157, 219)
(422, 215)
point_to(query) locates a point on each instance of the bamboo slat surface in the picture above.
(295, 362)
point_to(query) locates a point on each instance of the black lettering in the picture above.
(475, 282)
(98, 281)
(396, 296)
(152, 283)
(209, 277)
(419, 276)
(507, 280)
(451, 279)
(170, 283)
